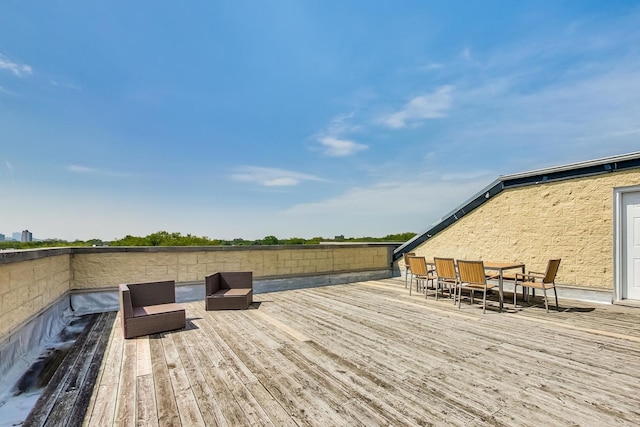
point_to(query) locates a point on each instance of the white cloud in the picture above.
(65, 85)
(10, 169)
(332, 143)
(466, 54)
(80, 169)
(432, 196)
(589, 111)
(382, 206)
(281, 182)
(341, 124)
(430, 67)
(556, 99)
(93, 171)
(335, 147)
(17, 69)
(429, 106)
(271, 177)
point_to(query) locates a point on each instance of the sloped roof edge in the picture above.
(557, 173)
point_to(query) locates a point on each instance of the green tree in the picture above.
(164, 238)
(295, 241)
(270, 240)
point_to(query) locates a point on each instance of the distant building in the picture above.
(1, 237)
(26, 236)
(16, 236)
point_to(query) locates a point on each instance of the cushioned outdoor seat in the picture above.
(232, 290)
(150, 308)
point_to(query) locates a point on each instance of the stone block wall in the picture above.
(29, 286)
(30, 281)
(571, 219)
(97, 268)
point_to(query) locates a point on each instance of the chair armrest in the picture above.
(531, 276)
(125, 302)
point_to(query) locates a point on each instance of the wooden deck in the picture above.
(368, 354)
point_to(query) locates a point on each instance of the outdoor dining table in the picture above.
(501, 267)
(498, 266)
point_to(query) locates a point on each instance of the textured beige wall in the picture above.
(102, 270)
(30, 282)
(27, 287)
(572, 220)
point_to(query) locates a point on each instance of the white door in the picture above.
(631, 246)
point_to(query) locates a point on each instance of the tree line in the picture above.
(164, 238)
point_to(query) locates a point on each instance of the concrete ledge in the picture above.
(9, 256)
(17, 255)
(155, 249)
(600, 296)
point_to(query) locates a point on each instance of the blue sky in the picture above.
(298, 118)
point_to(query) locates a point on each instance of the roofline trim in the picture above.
(572, 166)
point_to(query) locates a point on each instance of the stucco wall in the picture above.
(102, 269)
(572, 220)
(30, 281)
(29, 286)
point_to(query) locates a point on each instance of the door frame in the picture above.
(618, 230)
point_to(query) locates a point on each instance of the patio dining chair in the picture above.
(407, 271)
(547, 281)
(420, 273)
(473, 277)
(446, 275)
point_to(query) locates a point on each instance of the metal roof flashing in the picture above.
(578, 165)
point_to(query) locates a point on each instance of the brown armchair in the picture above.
(149, 308)
(229, 290)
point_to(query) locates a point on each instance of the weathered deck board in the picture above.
(221, 371)
(65, 399)
(125, 414)
(188, 409)
(196, 368)
(102, 406)
(370, 354)
(280, 364)
(232, 377)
